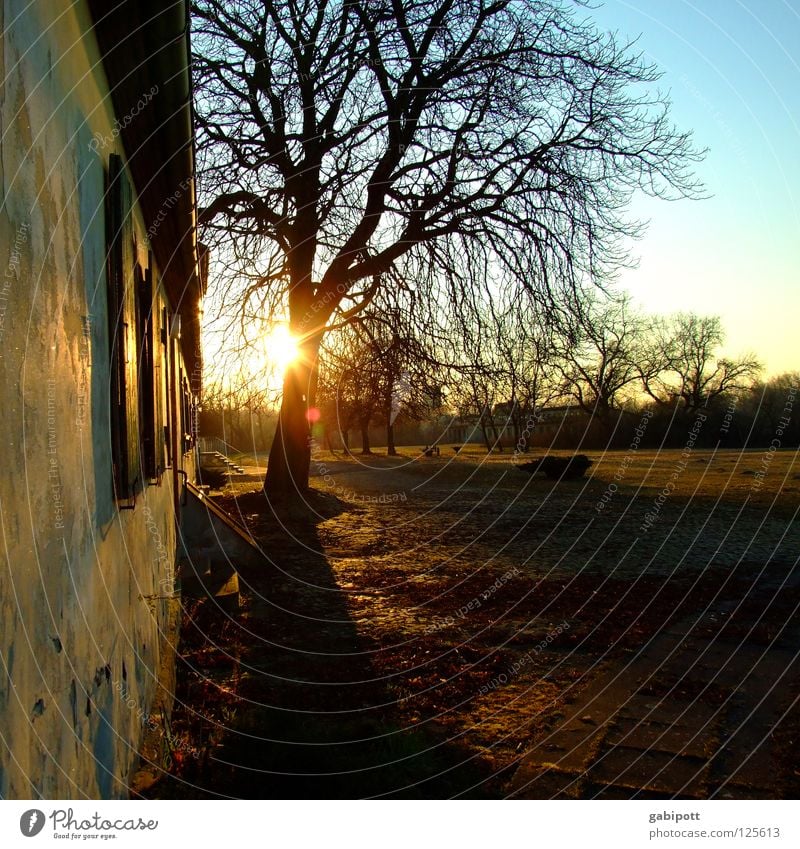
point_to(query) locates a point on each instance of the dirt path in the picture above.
(442, 621)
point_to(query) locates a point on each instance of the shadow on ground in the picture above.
(472, 630)
(281, 699)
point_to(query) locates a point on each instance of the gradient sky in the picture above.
(732, 70)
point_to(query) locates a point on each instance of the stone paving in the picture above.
(692, 716)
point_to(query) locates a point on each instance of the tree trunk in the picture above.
(523, 430)
(365, 449)
(290, 456)
(515, 429)
(391, 451)
(497, 443)
(485, 433)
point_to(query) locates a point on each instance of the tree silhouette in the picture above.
(377, 369)
(689, 372)
(451, 141)
(604, 359)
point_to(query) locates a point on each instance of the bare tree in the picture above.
(476, 373)
(684, 363)
(342, 140)
(349, 391)
(410, 380)
(526, 355)
(603, 359)
(238, 411)
(376, 370)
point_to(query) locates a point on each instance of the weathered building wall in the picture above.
(84, 584)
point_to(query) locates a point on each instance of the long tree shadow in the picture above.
(281, 700)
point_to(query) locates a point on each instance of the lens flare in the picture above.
(281, 348)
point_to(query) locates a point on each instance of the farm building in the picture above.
(99, 372)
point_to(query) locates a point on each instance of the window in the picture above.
(147, 399)
(166, 406)
(122, 333)
(187, 415)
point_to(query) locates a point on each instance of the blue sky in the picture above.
(732, 69)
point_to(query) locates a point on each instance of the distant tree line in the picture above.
(583, 378)
(765, 412)
(238, 412)
(599, 367)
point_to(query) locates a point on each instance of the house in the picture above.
(100, 367)
(512, 427)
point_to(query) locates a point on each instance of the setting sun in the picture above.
(281, 348)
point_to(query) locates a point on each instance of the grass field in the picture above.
(737, 475)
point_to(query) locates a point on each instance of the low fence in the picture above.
(210, 444)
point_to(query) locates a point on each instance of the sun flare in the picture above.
(281, 348)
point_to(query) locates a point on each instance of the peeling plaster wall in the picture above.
(83, 585)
